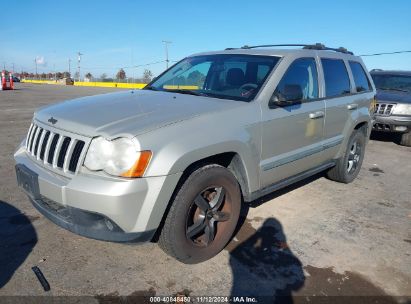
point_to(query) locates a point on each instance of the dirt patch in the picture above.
(325, 282)
(386, 204)
(139, 296)
(376, 169)
(183, 293)
(171, 284)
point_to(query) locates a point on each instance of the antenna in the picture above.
(166, 43)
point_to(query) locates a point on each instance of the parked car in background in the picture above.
(177, 159)
(15, 78)
(393, 108)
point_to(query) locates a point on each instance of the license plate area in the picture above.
(28, 181)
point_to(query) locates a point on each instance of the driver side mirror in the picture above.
(292, 94)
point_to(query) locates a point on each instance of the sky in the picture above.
(115, 34)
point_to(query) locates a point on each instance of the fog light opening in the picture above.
(109, 224)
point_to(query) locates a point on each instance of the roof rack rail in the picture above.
(317, 46)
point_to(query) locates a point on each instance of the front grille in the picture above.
(55, 149)
(384, 109)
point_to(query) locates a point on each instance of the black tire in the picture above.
(406, 139)
(183, 236)
(349, 165)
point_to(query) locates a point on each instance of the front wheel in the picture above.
(349, 165)
(203, 215)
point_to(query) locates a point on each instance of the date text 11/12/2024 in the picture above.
(202, 299)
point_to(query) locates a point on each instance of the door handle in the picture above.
(352, 106)
(316, 115)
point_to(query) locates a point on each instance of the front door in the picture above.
(292, 135)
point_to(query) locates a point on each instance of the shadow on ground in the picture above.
(386, 137)
(17, 239)
(263, 265)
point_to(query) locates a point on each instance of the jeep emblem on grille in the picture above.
(52, 120)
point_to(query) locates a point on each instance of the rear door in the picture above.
(292, 135)
(339, 102)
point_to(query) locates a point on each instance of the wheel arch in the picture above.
(230, 160)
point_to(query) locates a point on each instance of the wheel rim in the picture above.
(207, 216)
(354, 157)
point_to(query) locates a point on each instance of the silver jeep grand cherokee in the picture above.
(175, 160)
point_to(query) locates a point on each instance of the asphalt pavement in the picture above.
(315, 238)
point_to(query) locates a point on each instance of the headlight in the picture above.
(402, 109)
(117, 157)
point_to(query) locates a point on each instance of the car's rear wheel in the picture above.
(406, 139)
(349, 165)
(203, 215)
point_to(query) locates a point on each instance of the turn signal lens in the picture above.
(140, 166)
(373, 105)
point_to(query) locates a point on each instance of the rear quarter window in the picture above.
(337, 82)
(362, 83)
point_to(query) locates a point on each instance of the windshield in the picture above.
(237, 77)
(392, 82)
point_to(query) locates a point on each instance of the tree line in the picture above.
(121, 75)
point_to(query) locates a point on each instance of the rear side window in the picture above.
(336, 78)
(360, 78)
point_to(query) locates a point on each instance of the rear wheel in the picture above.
(203, 215)
(349, 165)
(406, 139)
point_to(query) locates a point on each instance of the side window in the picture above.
(300, 82)
(336, 77)
(360, 78)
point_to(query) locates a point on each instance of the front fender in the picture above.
(173, 153)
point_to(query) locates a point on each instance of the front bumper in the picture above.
(88, 224)
(100, 207)
(392, 123)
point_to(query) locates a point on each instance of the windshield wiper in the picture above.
(148, 87)
(393, 89)
(189, 92)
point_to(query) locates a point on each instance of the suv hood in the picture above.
(127, 113)
(393, 96)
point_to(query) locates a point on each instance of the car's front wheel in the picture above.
(203, 215)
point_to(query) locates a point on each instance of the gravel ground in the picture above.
(315, 238)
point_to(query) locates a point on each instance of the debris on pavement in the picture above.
(40, 276)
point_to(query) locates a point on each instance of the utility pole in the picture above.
(4, 66)
(69, 70)
(35, 61)
(166, 43)
(78, 64)
(13, 67)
